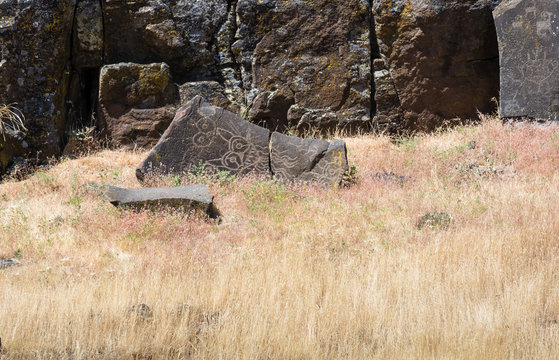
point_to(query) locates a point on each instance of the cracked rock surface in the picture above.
(311, 54)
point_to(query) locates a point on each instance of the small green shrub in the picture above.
(434, 220)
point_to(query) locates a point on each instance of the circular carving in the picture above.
(203, 139)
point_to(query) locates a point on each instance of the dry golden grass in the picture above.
(297, 273)
(11, 119)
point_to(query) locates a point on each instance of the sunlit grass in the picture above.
(297, 272)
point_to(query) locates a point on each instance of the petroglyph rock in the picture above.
(528, 33)
(195, 198)
(308, 160)
(205, 134)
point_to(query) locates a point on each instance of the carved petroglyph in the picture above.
(204, 134)
(529, 53)
(242, 155)
(308, 160)
(543, 24)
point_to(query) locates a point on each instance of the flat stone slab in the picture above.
(196, 198)
(308, 160)
(202, 133)
(528, 34)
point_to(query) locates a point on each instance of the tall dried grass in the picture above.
(11, 119)
(297, 273)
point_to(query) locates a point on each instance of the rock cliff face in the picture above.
(305, 63)
(35, 55)
(396, 65)
(442, 58)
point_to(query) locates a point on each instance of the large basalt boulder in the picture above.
(191, 198)
(311, 54)
(308, 160)
(205, 134)
(442, 57)
(528, 32)
(136, 103)
(180, 33)
(35, 43)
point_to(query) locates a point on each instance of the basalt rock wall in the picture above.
(393, 65)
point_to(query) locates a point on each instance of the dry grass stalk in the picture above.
(11, 119)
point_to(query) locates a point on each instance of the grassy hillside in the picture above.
(295, 272)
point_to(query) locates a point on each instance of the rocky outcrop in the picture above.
(529, 56)
(441, 56)
(182, 34)
(35, 56)
(314, 55)
(395, 65)
(204, 135)
(136, 103)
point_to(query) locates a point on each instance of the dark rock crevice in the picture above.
(375, 54)
(232, 11)
(427, 47)
(491, 59)
(86, 60)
